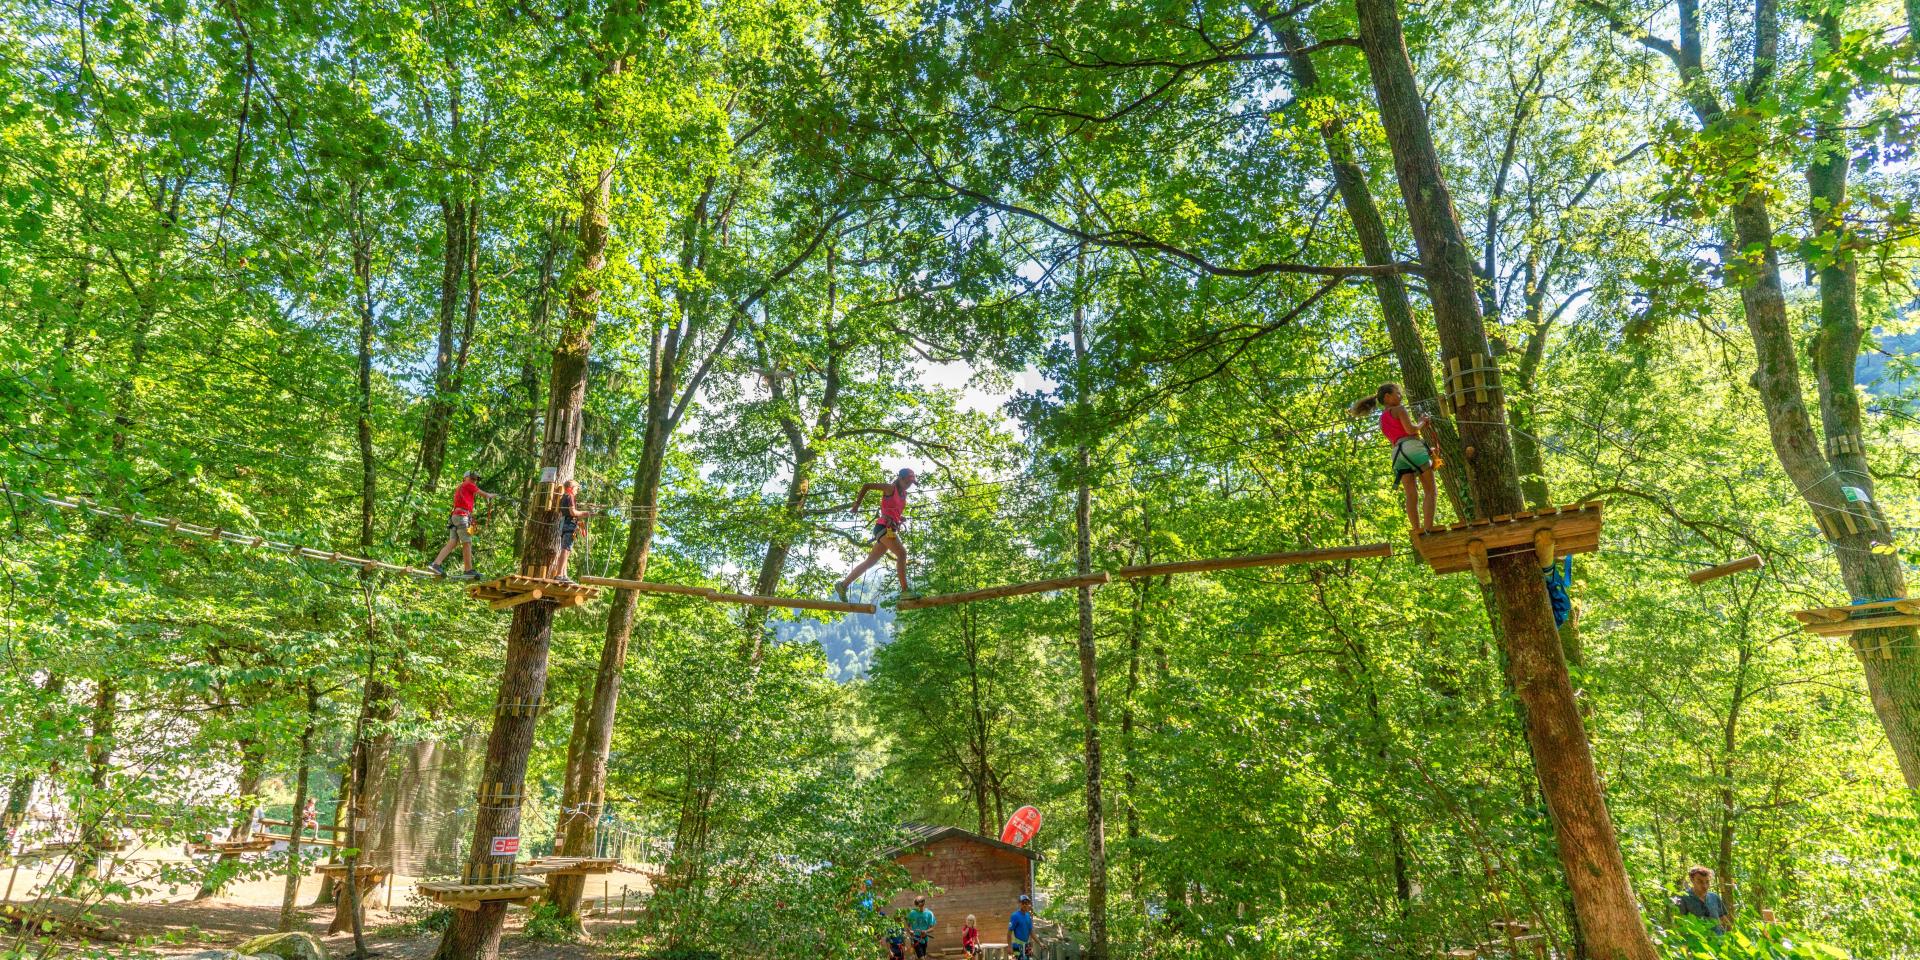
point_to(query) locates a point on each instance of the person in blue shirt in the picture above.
(920, 926)
(1702, 902)
(1020, 929)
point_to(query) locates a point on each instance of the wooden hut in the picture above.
(969, 873)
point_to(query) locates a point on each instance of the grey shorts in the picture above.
(460, 528)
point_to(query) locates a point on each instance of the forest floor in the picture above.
(174, 924)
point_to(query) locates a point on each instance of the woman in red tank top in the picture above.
(886, 530)
(1412, 461)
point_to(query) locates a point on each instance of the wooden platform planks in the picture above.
(378, 873)
(304, 841)
(1329, 554)
(505, 593)
(1550, 533)
(469, 896)
(1848, 620)
(570, 866)
(1008, 590)
(255, 845)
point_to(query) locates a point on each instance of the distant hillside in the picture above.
(850, 643)
(1885, 375)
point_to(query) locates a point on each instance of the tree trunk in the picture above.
(1889, 657)
(1589, 850)
(438, 422)
(1089, 677)
(20, 793)
(289, 900)
(587, 770)
(1390, 289)
(93, 817)
(475, 934)
(252, 771)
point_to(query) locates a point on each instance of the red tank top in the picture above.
(893, 508)
(1391, 425)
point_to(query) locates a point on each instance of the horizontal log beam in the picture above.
(1009, 590)
(1728, 569)
(796, 603)
(642, 586)
(1258, 560)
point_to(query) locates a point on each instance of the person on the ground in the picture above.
(920, 926)
(1020, 929)
(886, 530)
(1412, 461)
(897, 937)
(460, 526)
(970, 938)
(570, 517)
(1701, 901)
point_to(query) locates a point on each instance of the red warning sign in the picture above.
(1021, 827)
(505, 846)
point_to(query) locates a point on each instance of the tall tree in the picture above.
(1589, 849)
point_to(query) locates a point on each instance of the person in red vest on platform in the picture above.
(460, 526)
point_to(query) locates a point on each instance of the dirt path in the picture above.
(170, 923)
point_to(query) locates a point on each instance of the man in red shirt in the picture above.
(460, 526)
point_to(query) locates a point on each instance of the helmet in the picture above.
(1025, 899)
(906, 473)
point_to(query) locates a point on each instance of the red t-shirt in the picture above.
(1391, 425)
(463, 498)
(893, 507)
(969, 937)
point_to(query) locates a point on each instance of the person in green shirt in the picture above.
(920, 926)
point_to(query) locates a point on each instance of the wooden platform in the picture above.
(371, 871)
(505, 593)
(469, 896)
(1546, 534)
(1845, 621)
(569, 866)
(255, 845)
(304, 841)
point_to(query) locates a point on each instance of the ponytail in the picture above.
(1367, 405)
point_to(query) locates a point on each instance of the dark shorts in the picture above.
(880, 531)
(920, 944)
(566, 538)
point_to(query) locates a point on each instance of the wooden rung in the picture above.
(1009, 590)
(799, 603)
(1257, 560)
(508, 603)
(1477, 558)
(1751, 561)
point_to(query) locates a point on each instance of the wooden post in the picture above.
(1258, 560)
(1009, 590)
(1751, 561)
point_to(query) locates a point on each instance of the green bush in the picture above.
(545, 923)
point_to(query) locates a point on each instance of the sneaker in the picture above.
(563, 578)
(470, 575)
(437, 569)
